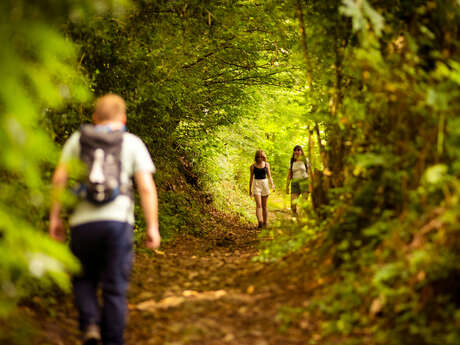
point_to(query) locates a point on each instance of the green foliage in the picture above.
(275, 123)
(286, 315)
(288, 238)
(196, 66)
(207, 84)
(390, 222)
(39, 71)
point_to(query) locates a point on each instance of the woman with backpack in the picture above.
(297, 176)
(258, 185)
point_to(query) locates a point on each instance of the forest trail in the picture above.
(203, 291)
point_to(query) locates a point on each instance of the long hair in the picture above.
(260, 156)
(293, 158)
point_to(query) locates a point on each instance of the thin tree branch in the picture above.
(303, 40)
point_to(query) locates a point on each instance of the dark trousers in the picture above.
(105, 251)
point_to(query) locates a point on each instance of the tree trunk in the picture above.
(303, 41)
(319, 181)
(336, 150)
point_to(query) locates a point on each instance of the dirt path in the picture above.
(204, 291)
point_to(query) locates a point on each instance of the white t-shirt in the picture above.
(134, 158)
(299, 170)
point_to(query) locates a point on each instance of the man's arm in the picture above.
(149, 203)
(56, 226)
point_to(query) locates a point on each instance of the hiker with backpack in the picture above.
(258, 186)
(101, 224)
(299, 168)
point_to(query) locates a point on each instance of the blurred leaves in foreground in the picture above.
(39, 71)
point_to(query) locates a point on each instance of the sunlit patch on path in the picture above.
(191, 296)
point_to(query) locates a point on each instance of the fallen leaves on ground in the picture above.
(205, 291)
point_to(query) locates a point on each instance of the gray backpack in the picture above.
(100, 151)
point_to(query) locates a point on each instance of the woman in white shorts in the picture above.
(258, 185)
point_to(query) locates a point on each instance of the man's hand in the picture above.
(250, 194)
(57, 229)
(149, 202)
(153, 240)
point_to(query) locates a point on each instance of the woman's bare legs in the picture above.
(259, 215)
(293, 203)
(264, 209)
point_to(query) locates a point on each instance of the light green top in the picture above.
(134, 158)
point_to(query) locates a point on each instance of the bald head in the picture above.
(109, 108)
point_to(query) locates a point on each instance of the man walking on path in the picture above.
(101, 224)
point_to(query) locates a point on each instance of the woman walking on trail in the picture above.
(298, 176)
(258, 185)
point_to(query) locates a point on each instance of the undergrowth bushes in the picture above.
(390, 232)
